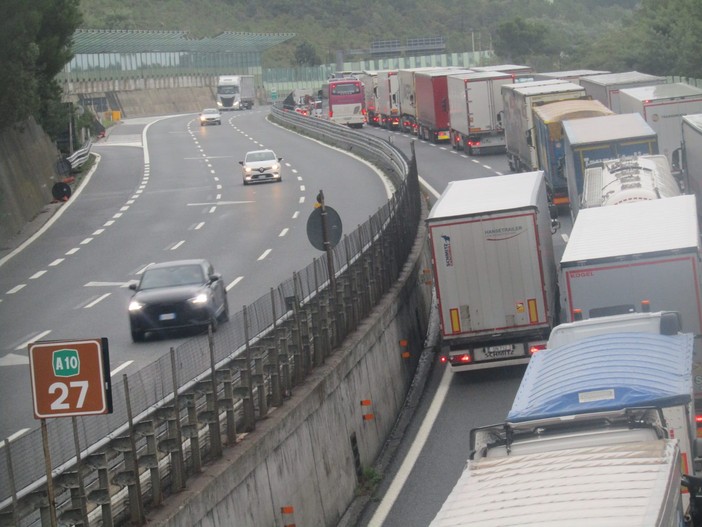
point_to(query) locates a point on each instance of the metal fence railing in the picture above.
(177, 412)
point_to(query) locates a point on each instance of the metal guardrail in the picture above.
(80, 156)
(179, 411)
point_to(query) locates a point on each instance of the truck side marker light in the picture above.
(533, 311)
(455, 321)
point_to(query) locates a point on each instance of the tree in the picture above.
(306, 55)
(35, 45)
(518, 38)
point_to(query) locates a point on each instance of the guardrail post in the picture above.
(150, 460)
(101, 495)
(284, 357)
(179, 460)
(225, 376)
(192, 430)
(260, 388)
(131, 475)
(215, 434)
(13, 489)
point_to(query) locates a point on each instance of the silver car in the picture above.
(261, 165)
(210, 116)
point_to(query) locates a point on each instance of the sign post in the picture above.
(69, 378)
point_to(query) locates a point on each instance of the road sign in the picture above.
(315, 232)
(70, 378)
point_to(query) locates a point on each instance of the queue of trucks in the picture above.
(607, 381)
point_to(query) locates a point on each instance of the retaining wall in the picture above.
(301, 456)
(27, 173)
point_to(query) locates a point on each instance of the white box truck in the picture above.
(569, 75)
(494, 270)
(597, 435)
(663, 106)
(235, 92)
(519, 101)
(605, 88)
(617, 257)
(476, 111)
(689, 157)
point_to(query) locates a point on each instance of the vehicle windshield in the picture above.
(210, 110)
(346, 89)
(227, 90)
(172, 276)
(260, 156)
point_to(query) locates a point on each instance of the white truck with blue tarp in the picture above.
(597, 435)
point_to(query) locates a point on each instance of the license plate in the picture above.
(504, 351)
(442, 135)
(167, 316)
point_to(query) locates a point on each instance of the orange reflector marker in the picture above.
(405, 352)
(455, 321)
(288, 518)
(533, 311)
(366, 403)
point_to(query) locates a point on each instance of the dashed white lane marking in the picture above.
(56, 262)
(302, 199)
(20, 287)
(120, 368)
(37, 274)
(234, 282)
(86, 241)
(181, 242)
(295, 214)
(73, 251)
(24, 345)
(265, 253)
(199, 226)
(98, 299)
(283, 232)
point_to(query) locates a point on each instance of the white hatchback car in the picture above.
(261, 165)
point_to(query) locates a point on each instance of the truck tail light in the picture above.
(536, 347)
(331, 114)
(472, 142)
(464, 358)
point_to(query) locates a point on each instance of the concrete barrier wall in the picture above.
(27, 173)
(301, 455)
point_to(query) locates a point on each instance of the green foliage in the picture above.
(306, 55)
(35, 42)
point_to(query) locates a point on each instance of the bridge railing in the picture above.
(180, 411)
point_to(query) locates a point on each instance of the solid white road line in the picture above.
(413, 453)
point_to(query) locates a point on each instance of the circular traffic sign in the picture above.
(315, 229)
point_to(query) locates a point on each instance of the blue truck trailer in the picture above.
(548, 133)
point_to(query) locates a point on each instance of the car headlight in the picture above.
(135, 306)
(202, 117)
(247, 170)
(276, 166)
(199, 299)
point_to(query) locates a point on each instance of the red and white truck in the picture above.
(618, 256)
(477, 111)
(663, 106)
(494, 270)
(432, 104)
(387, 99)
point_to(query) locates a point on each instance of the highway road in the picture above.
(167, 189)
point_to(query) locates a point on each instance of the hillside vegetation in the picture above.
(656, 36)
